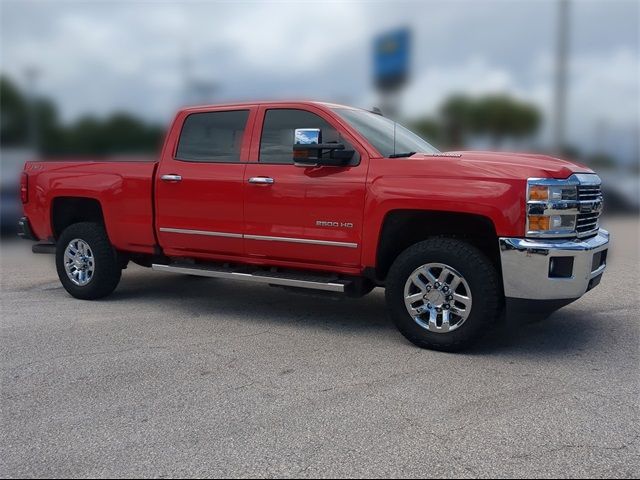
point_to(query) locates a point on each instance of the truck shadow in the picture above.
(199, 297)
(566, 332)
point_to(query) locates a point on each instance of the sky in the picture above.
(97, 57)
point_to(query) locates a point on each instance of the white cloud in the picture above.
(473, 77)
(603, 92)
(293, 36)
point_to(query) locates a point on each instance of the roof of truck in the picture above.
(268, 102)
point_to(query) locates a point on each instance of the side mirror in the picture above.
(307, 136)
(309, 151)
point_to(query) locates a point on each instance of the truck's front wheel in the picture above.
(87, 264)
(443, 293)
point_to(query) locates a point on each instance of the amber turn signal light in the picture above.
(538, 223)
(538, 192)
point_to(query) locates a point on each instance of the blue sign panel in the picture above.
(391, 59)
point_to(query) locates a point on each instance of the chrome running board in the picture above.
(312, 281)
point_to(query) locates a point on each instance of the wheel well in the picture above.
(66, 211)
(403, 228)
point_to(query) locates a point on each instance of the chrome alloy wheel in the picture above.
(437, 297)
(79, 262)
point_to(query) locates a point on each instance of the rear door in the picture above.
(199, 184)
(305, 215)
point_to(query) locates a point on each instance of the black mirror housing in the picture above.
(322, 154)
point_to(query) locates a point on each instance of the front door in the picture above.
(199, 185)
(310, 215)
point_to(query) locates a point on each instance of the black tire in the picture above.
(108, 271)
(477, 270)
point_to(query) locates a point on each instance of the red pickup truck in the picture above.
(323, 196)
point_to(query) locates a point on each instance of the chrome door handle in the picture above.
(262, 180)
(171, 178)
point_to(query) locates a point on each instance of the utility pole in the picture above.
(560, 107)
(635, 134)
(31, 74)
(185, 65)
(600, 135)
(196, 91)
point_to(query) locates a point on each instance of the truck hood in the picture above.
(515, 165)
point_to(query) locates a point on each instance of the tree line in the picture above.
(495, 117)
(459, 119)
(120, 132)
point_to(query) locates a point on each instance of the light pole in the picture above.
(31, 74)
(196, 91)
(562, 44)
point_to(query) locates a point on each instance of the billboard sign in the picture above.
(391, 59)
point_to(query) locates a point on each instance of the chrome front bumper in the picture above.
(528, 271)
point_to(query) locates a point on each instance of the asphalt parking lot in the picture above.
(182, 376)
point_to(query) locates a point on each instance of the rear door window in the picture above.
(214, 137)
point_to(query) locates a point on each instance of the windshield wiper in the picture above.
(401, 155)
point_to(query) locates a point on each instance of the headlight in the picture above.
(552, 207)
(552, 192)
(563, 208)
(552, 223)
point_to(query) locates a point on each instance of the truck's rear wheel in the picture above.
(87, 264)
(443, 293)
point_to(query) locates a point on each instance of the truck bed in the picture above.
(122, 185)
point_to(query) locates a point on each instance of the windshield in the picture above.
(387, 136)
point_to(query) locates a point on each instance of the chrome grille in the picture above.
(588, 223)
(589, 192)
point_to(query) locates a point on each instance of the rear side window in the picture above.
(212, 137)
(276, 144)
